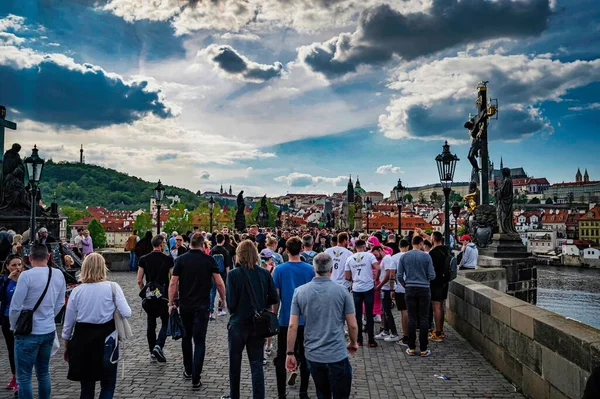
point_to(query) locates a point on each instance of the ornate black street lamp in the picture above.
(211, 208)
(368, 206)
(446, 164)
(456, 213)
(399, 195)
(159, 194)
(34, 165)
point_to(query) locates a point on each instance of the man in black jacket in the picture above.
(439, 285)
(156, 267)
(191, 281)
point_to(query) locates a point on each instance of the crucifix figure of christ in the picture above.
(4, 124)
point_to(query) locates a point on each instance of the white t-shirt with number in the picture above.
(396, 261)
(339, 256)
(360, 264)
(387, 263)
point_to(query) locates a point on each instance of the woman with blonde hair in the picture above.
(17, 244)
(91, 345)
(241, 327)
(68, 262)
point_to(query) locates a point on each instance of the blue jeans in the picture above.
(33, 350)
(213, 295)
(108, 382)
(418, 301)
(368, 298)
(332, 380)
(195, 324)
(132, 265)
(240, 336)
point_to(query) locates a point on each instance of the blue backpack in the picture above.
(220, 262)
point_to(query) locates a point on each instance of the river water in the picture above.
(570, 291)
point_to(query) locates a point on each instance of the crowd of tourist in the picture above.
(280, 271)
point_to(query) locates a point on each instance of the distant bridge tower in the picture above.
(81, 158)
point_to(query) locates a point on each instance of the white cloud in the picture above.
(257, 15)
(296, 179)
(245, 37)
(585, 107)
(434, 98)
(12, 22)
(385, 169)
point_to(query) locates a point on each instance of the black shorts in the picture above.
(439, 292)
(400, 302)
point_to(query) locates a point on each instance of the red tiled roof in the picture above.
(560, 216)
(538, 180)
(592, 214)
(574, 184)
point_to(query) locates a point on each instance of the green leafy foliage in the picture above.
(80, 185)
(143, 223)
(97, 233)
(179, 220)
(252, 218)
(549, 201)
(408, 197)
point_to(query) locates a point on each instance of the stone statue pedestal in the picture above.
(508, 252)
(21, 223)
(505, 246)
(240, 222)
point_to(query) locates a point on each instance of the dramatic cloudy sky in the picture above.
(276, 96)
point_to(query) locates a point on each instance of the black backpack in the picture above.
(450, 266)
(154, 296)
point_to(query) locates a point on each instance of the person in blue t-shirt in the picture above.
(289, 276)
(13, 266)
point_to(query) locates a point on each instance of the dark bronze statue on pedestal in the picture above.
(504, 200)
(240, 217)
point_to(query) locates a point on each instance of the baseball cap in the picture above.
(374, 241)
(465, 237)
(266, 253)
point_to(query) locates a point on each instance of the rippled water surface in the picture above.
(571, 292)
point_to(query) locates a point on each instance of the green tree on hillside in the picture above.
(143, 223)
(549, 201)
(421, 198)
(179, 220)
(97, 233)
(408, 197)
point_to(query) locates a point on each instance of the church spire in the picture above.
(221, 192)
(578, 178)
(350, 191)
(357, 182)
(230, 190)
(586, 177)
(501, 163)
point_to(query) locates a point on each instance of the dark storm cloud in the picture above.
(57, 91)
(384, 32)
(235, 65)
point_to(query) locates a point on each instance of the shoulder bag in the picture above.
(122, 326)
(25, 321)
(265, 322)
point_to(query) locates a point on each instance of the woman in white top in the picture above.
(89, 329)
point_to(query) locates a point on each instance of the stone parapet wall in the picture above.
(542, 353)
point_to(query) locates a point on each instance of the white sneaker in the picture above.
(382, 336)
(377, 318)
(392, 338)
(222, 313)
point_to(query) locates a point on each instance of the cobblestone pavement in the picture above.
(383, 372)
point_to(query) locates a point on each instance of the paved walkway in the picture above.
(379, 373)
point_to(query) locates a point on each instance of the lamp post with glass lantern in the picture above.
(159, 194)
(399, 195)
(34, 165)
(211, 208)
(446, 164)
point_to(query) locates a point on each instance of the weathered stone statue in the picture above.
(11, 162)
(504, 195)
(16, 197)
(240, 218)
(263, 212)
(278, 221)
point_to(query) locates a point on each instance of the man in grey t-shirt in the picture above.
(324, 341)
